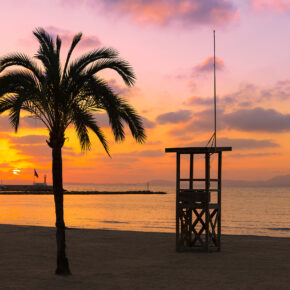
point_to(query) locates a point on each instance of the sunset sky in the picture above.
(169, 43)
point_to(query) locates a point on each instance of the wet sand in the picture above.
(101, 259)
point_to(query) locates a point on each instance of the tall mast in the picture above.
(212, 139)
(214, 88)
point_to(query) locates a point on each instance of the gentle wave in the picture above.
(245, 211)
(114, 222)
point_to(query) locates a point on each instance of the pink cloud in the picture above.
(185, 12)
(87, 41)
(207, 65)
(284, 82)
(182, 11)
(200, 101)
(247, 120)
(280, 5)
(127, 92)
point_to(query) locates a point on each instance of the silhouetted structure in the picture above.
(198, 220)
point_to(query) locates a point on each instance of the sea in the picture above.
(245, 211)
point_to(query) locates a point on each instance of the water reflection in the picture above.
(251, 211)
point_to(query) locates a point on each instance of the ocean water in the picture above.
(245, 211)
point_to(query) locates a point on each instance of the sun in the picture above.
(16, 171)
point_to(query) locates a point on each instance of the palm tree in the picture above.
(66, 96)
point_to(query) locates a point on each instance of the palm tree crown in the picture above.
(60, 97)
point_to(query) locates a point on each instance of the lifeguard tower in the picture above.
(198, 212)
(198, 204)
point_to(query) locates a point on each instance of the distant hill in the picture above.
(282, 180)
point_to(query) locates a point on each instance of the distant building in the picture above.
(40, 183)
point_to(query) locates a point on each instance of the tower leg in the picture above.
(178, 209)
(219, 199)
(207, 187)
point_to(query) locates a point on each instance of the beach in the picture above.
(105, 259)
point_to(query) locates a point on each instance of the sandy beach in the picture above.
(102, 259)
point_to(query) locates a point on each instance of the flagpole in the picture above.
(214, 89)
(212, 139)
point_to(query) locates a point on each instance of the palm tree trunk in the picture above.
(62, 261)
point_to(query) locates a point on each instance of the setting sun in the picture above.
(16, 171)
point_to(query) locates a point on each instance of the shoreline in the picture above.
(139, 260)
(133, 231)
(43, 192)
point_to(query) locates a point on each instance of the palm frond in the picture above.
(15, 108)
(7, 102)
(83, 120)
(45, 41)
(48, 54)
(122, 67)
(14, 115)
(78, 65)
(46, 48)
(58, 45)
(107, 100)
(13, 104)
(134, 121)
(75, 41)
(22, 60)
(21, 90)
(118, 111)
(100, 134)
(18, 82)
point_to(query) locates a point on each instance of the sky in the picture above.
(170, 46)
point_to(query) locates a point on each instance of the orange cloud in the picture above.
(185, 12)
(241, 143)
(182, 11)
(142, 12)
(11, 158)
(180, 116)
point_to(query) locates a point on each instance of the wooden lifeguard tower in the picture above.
(198, 213)
(198, 218)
